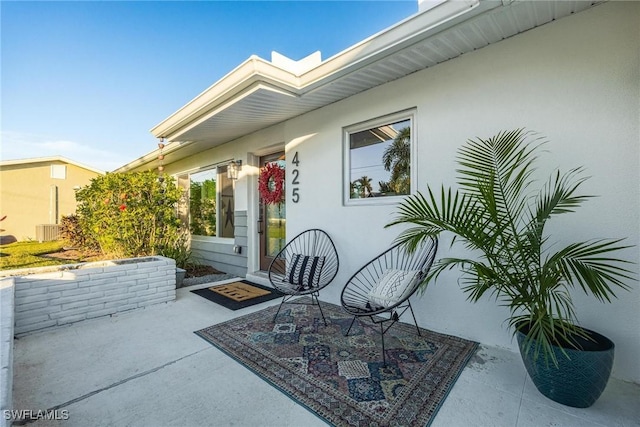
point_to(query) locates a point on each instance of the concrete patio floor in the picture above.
(148, 368)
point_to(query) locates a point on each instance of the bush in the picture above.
(73, 235)
(130, 214)
(178, 249)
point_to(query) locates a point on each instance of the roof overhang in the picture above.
(259, 93)
(51, 159)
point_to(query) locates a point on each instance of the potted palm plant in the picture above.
(498, 217)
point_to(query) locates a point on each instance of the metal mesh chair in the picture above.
(395, 270)
(308, 263)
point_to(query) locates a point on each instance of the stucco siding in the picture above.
(575, 81)
(26, 192)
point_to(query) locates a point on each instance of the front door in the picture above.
(272, 220)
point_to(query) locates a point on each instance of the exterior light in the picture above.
(233, 169)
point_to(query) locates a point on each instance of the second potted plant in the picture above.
(497, 216)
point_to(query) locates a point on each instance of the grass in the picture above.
(28, 255)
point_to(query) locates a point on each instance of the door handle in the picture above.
(260, 230)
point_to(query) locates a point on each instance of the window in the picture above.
(208, 205)
(378, 158)
(59, 171)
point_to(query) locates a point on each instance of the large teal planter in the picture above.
(578, 381)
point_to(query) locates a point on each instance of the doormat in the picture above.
(237, 295)
(239, 291)
(343, 380)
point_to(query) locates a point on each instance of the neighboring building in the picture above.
(460, 70)
(36, 193)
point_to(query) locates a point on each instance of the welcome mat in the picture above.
(237, 295)
(343, 379)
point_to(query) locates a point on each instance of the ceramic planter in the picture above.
(180, 274)
(577, 381)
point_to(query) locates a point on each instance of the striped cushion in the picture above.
(304, 271)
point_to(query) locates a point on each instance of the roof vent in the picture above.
(296, 67)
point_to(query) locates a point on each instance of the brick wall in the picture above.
(6, 347)
(71, 293)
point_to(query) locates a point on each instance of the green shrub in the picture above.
(178, 249)
(129, 214)
(73, 235)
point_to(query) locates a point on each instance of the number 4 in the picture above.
(295, 160)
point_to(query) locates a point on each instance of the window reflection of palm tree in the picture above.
(385, 187)
(365, 186)
(397, 159)
(355, 189)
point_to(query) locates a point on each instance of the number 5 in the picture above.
(295, 195)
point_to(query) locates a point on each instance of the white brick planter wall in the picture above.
(6, 347)
(54, 296)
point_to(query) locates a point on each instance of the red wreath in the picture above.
(271, 184)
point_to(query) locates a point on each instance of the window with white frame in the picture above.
(379, 155)
(208, 202)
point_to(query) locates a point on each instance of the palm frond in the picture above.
(452, 211)
(583, 263)
(496, 216)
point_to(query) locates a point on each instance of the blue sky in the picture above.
(87, 80)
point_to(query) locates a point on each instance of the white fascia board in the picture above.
(151, 156)
(233, 84)
(256, 69)
(407, 32)
(256, 86)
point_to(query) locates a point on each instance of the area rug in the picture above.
(237, 295)
(343, 380)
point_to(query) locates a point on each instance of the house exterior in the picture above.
(37, 192)
(454, 71)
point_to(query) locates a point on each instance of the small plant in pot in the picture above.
(501, 220)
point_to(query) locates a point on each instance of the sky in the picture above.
(88, 80)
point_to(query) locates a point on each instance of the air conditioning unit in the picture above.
(47, 232)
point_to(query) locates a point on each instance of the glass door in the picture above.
(272, 220)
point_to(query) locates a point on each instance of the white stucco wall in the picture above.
(575, 81)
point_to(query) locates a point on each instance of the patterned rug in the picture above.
(343, 379)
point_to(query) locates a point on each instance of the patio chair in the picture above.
(308, 263)
(381, 289)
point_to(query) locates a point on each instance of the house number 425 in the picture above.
(295, 195)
